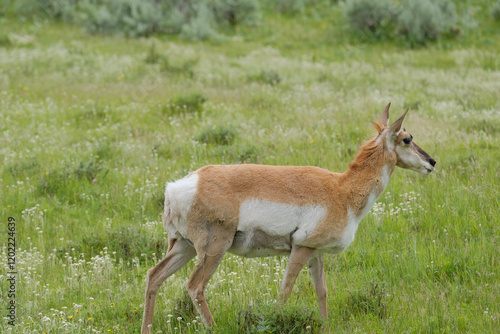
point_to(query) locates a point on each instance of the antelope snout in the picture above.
(430, 165)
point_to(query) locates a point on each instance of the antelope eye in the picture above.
(407, 141)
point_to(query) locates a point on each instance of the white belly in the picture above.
(265, 228)
(279, 219)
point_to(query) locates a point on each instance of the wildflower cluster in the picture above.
(408, 205)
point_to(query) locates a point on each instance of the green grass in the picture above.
(89, 138)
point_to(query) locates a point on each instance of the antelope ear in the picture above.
(385, 116)
(396, 126)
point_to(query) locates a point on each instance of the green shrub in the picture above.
(45, 9)
(153, 57)
(249, 154)
(54, 182)
(184, 308)
(495, 11)
(236, 154)
(179, 66)
(172, 63)
(186, 103)
(202, 26)
(143, 17)
(90, 171)
(289, 6)
(179, 13)
(374, 300)
(218, 135)
(132, 18)
(5, 41)
(207, 16)
(192, 19)
(137, 17)
(270, 77)
(293, 7)
(234, 12)
(423, 20)
(22, 167)
(60, 180)
(275, 319)
(371, 17)
(126, 244)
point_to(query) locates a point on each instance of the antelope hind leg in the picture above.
(179, 253)
(211, 245)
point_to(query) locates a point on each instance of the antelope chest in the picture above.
(340, 243)
(355, 215)
(353, 219)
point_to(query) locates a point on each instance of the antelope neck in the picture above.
(364, 185)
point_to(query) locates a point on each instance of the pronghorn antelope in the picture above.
(257, 211)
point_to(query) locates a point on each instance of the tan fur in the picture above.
(213, 216)
(222, 189)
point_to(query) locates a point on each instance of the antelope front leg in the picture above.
(298, 258)
(318, 276)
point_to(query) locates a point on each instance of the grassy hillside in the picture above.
(92, 127)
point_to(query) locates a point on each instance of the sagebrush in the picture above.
(421, 21)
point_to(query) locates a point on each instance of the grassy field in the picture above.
(93, 127)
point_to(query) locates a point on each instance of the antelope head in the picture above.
(408, 154)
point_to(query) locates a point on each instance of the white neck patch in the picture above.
(353, 220)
